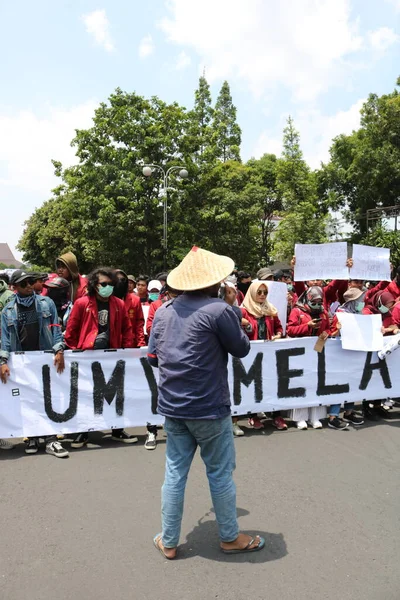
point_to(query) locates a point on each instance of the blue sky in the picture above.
(314, 59)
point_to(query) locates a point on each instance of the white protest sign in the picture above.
(102, 390)
(321, 261)
(370, 263)
(361, 332)
(277, 295)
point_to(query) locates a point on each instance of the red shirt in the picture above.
(135, 313)
(298, 323)
(83, 324)
(152, 311)
(273, 325)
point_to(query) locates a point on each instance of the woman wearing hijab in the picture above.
(264, 324)
(354, 302)
(308, 318)
(382, 303)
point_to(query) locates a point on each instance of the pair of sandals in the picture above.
(247, 548)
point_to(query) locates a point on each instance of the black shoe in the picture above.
(369, 412)
(151, 441)
(32, 446)
(80, 440)
(353, 418)
(56, 449)
(121, 436)
(382, 412)
(337, 423)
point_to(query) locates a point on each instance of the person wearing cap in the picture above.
(57, 289)
(99, 321)
(40, 279)
(29, 322)
(264, 325)
(354, 302)
(190, 340)
(265, 274)
(131, 284)
(5, 293)
(309, 318)
(162, 277)
(67, 268)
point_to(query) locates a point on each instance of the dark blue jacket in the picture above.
(190, 341)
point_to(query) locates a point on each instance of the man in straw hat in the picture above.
(189, 343)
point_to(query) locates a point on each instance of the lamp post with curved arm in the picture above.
(147, 172)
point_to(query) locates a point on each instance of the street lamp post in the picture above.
(147, 172)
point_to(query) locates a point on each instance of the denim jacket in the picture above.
(50, 337)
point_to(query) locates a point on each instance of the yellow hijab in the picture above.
(255, 308)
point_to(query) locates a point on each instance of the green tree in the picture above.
(105, 210)
(199, 125)
(226, 133)
(364, 170)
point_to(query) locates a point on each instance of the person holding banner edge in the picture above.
(29, 322)
(194, 395)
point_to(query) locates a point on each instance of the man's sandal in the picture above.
(156, 542)
(247, 548)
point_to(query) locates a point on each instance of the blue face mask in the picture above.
(290, 287)
(106, 291)
(153, 296)
(359, 306)
(384, 309)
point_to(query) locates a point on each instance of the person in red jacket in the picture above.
(264, 325)
(382, 303)
(309, 318)
(99, 321)
(67, 268)
(133, 307)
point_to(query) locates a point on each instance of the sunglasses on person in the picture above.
(105, 283)
(262, 293)
(26, 282)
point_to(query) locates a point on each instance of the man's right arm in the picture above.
(231, 335)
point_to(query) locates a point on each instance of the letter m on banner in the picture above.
(108, 391)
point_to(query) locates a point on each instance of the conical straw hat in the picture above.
(200, 269)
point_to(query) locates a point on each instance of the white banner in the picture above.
(321, 261)
(101, 390)
(361, 332)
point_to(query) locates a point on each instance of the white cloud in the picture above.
(146, 46)
(29, 142)
(183, 61)
(302, 45)
(316, 133)
(382, 38)
(98, 26)
(395, 4)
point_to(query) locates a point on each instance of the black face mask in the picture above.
(243, 287)
(121, 288)
(58, 295)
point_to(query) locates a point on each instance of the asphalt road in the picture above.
(328, 503)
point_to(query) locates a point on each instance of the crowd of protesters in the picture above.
(110, 309)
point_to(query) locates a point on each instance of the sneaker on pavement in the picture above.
(56, 449)
(255, 423)
(370, 413)
(316, 424)
(32, 446)
(279, 423)
(151, 441)
(337, 423)
(236, 430)
(353, 418)
(301, 425)
(80, 440)
(122, 436)
(4, 445)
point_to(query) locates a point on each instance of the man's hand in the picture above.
(349, 263)
(59, 362)
(276, 337)
(4, 373)
(293, 262)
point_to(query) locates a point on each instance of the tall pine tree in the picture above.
(226, 133)
(200, 118)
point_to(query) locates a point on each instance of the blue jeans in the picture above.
(334, 409)
(217, 449)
